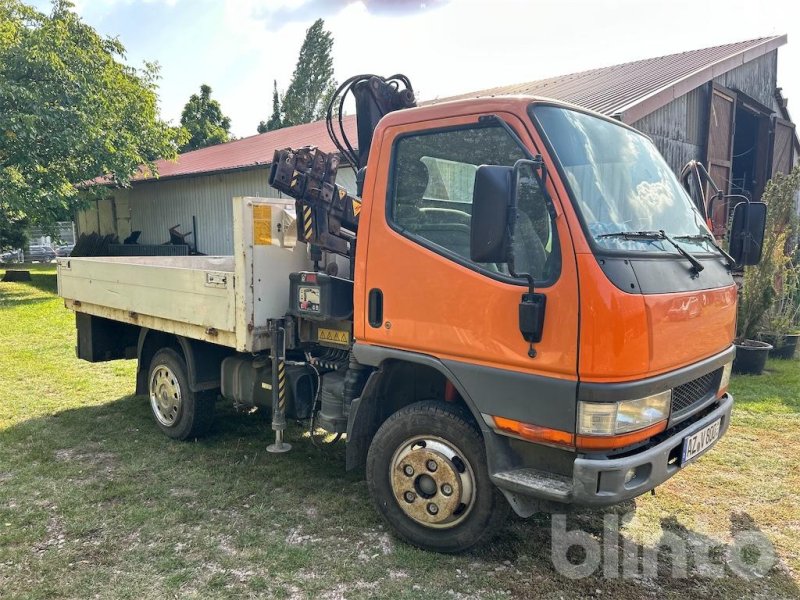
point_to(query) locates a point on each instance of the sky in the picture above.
(445, 47)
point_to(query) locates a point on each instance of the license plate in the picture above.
(697, 443)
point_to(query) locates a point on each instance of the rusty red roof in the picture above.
(253, 151)
(630, 91)
(627, 91)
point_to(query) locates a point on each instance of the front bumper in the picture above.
(601, 481)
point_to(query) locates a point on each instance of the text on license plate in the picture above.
(697, 443)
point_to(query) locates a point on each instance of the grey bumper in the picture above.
(601, 481)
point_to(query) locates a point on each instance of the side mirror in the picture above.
(492, 213)
(747, 233)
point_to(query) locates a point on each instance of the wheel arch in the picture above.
(203, 360)
(379, 399)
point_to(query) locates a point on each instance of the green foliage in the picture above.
(203, 119)
(312, 81)
(12, 230)
(70, 110)
(764, 283)
(783, 315)
(275, 121)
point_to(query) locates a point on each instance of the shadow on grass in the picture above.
(28, 292)
(115, 477)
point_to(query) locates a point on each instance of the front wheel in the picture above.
(179, 412)
(427, 474)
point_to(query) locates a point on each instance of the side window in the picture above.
(431, 197)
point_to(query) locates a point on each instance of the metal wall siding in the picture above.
(156, 206)
(756, 78)
(677, 128)
(697, 116)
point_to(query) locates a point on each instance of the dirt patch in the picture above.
(91, 456)
(296, 537)
(183, 493)
(343, 590)
(55, 536)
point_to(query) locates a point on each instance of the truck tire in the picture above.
(427, 474)
(179, 412)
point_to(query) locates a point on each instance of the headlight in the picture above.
(612, 418)
(725, 380)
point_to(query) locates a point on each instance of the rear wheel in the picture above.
(427, 474)
(180, 413)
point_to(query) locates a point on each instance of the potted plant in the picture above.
(761, 286)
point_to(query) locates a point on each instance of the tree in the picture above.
(203, 119)
(12, 231)
(312, 81)
(274, 119)
(70, 110)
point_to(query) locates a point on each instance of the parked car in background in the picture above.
(65, 250)
(12, 256)
(41, 253)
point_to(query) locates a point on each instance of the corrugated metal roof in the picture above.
(245, 152)
(632, 90)
(627, 91)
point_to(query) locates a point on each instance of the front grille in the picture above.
(686, 395)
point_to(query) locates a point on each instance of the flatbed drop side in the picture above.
(495, 319)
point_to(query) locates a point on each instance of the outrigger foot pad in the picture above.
(279, 447)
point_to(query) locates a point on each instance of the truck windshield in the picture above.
(621, 184)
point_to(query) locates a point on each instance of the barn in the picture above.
(721, 106)
(195, 191)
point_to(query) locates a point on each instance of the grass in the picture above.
(95, 502)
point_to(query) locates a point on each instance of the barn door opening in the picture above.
(750, 166)
(719, 150)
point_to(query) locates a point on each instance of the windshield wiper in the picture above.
(634, 235)
(653, 236)
(704, 237)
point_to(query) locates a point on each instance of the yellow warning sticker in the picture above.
(333, 336)
(262, 225)
(342, 193)
(356, 207)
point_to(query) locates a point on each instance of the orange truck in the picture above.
(520, 305)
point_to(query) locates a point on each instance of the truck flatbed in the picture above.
(225, 300)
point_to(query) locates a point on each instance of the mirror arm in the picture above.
(701, 175)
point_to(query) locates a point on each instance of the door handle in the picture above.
(375, 308)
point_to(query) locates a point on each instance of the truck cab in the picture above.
(635, 348)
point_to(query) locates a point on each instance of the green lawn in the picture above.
(95, 502)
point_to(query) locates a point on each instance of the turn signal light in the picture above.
(535, 433)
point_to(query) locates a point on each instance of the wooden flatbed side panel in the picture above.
(202, 296)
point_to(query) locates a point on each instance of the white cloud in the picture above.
(448, 48)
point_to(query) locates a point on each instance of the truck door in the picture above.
(425, 293)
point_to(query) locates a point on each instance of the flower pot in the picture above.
(784, 346)
(751, 357)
